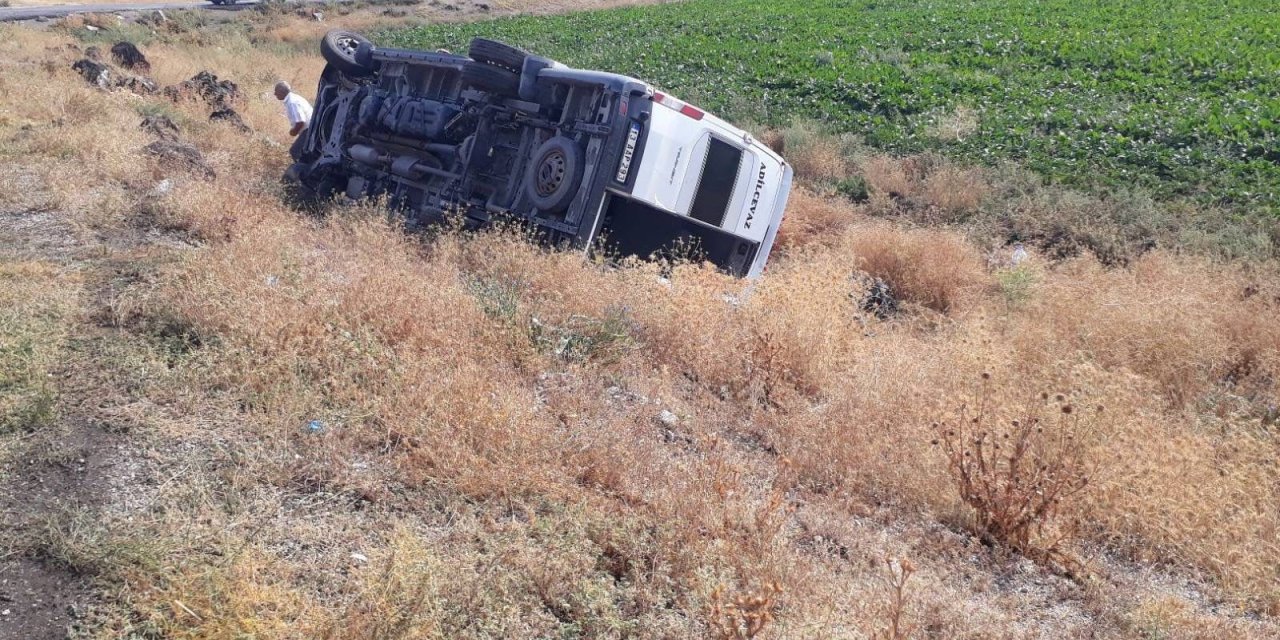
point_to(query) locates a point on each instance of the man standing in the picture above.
(296, 108)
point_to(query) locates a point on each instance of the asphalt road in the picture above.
(56, 11)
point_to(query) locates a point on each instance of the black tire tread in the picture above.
(489, 78)
(497, 54)
(341, 61)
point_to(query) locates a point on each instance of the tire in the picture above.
(495, 53)
(553, 178)
(491, 79)
(339, 48)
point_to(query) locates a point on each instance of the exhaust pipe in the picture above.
(366, 154)
(404, 166)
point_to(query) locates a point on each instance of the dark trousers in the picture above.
(299, 144)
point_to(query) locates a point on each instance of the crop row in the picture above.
(1178, 98)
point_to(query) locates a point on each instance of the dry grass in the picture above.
(935, 269)
(813, 220)
(814, 153)
(475, 477)
(934, 189)
(955, 126)
(34, 324)
(1002, 205)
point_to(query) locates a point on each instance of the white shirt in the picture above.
(297, 109)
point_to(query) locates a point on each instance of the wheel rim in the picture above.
(551, 173)
(347, 45)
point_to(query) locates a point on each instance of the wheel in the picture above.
(497, 54)
(487, 77)
(340, 49)
(555, 174)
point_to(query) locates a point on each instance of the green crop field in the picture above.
(1174, 97)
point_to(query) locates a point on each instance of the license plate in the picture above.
(628, 152)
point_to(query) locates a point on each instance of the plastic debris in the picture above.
(1019, 254)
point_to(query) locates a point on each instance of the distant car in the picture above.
(593, 160)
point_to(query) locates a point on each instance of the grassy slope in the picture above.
(33, 328)
(1178, 98)
(475, 479)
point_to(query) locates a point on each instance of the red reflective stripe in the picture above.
(672, 103)
(692, 112)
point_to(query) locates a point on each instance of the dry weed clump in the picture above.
(1196, 501)
(1189, 325)
(1015, 471)
(954, 190)
(896, 573)
(887, 176)
(926, 188)
(813, 219)
(399, 598)
(743, 616)
(816, 155)
(955, 126)
(349, 328)
(1184, 426)
(931, 268)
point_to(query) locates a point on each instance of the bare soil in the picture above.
(63, 469)
(41, 598)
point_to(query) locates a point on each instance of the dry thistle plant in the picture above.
(1016, 473)
(894, 577)
(745, 615)
(766, 369)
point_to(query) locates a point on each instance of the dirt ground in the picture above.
(57, 482)
(58, 478)
(169, 329)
